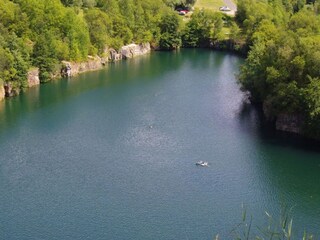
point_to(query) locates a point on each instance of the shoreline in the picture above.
(70, 69)
(285, 123)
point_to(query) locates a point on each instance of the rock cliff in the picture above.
(2, 93)
(114, 55)
(33, 77)
(289, 123)
(10, 90)
(133, 50)
(70, 69)
(129, 51)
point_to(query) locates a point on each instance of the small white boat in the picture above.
(202, 164)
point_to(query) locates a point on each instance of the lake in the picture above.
(111, 155)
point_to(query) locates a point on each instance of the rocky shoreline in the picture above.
(292, 123)
(2, 92)
(70, 69)
(284, 121)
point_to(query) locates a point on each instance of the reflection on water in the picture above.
(111, 155)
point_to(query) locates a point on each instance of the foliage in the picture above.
(170, 31)
(37, 33)
(100, 29)
(42, 33)
(203, 28)
(282, 65)
(278, 229)
(180, 3)
(14, 60)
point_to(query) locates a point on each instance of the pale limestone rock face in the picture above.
(70, 69)
(114, 55)
(33, 77)
(132, 50)
(66, 69)
(2, 93)
(129, 51)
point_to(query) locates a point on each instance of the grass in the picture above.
(209, 4)
(226, 30)
(280, 229)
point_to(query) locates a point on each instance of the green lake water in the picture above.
(111, 155)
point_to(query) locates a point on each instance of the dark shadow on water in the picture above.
(253, 121)
(287, 168)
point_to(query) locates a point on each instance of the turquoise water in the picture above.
(111, 155)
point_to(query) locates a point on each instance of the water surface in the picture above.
(110, 155)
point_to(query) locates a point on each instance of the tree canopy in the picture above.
(282, 67)
(42, 33)
(283, 38)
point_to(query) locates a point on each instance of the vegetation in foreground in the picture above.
(276, 229)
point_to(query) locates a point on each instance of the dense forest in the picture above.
(282, 69)
(36, 33)
(281, 38)
(42, 33)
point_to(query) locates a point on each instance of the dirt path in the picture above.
(230, 4)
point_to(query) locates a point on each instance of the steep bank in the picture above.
(69, 69)
(230, 45)
(2, 93)
(292, 123)
(284, 121)
(33, 77)
(281, 66)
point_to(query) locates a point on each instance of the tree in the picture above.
(100, 27)
(204, 27)
(170, 31)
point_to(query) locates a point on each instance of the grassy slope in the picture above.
(209, 4)
(213, 5)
